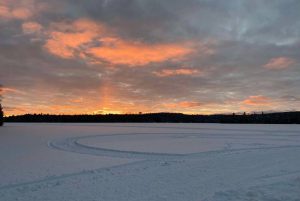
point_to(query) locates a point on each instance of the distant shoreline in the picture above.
(269, 118)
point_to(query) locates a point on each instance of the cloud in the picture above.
(77, 100)
(257, 101)
(290, 98)
(92, 41)
(31, 27)
(65, 44)
(279, 63)
(176, 72)
(6, 90)
(21, 9)
(4, 11)
(134, 53)
(14, 10)
(21, 13)
(183, 105)
(150, 52)
(65, 39)
(14, 13)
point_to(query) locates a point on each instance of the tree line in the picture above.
(1, 115)
(269, 118)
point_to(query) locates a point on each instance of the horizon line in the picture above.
(142, 113)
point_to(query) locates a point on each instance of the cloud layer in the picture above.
(127, 56)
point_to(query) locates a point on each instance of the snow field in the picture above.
(201, 162)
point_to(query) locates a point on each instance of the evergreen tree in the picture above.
(1, 115)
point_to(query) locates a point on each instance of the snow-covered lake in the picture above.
(149, 162)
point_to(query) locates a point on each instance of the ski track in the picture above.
(64, 176)
(72, 145)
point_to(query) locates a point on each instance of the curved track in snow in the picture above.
(75, 145)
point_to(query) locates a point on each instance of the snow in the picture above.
(149, 162)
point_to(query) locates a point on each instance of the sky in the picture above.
(131, 56)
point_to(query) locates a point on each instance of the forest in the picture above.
(262, 118)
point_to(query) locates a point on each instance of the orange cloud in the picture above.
(93, 42)
(77, 100)
(21, 9)
(20, 13)
(183, 104)
(4, 12)
(31, 27)
(5, 90)
(257, 101)
(137, 54)
(65, 44)
(69, 38)
(181, 71)
(279, 63)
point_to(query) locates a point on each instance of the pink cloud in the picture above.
(5, 90)
(257, 101)
(31, 27)
(4, 11)
(21, 13)
(279, 63)
(21, 9)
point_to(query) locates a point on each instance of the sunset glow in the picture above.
(195, 57)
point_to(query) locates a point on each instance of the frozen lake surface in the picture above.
(149, 162)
